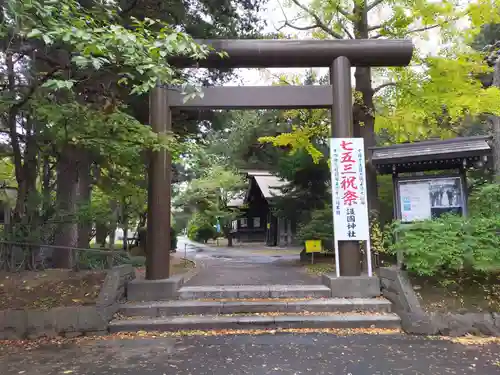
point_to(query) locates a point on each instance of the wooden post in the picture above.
(159, 186)
(341, 112)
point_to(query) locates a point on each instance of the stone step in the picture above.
(188, 307)
(254, 291)
(251, 322)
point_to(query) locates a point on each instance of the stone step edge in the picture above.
(254, 291)
(179, 307)
(252, 322)
(217, 288)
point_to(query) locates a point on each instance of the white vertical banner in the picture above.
(349, 198)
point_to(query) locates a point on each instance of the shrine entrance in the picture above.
(338, 55)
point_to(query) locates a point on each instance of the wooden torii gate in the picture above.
(338, 55)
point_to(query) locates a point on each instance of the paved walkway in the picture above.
(258, 355)
(236, 266)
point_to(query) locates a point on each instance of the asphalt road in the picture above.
(257, 355)
(237, 266)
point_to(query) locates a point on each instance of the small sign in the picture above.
(313, 246)
(350, 206)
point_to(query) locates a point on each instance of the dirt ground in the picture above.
(56, 287)
(49, 288)
(467, 294)
(177, 265)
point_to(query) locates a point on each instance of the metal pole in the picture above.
(340, 78)
(159, 184)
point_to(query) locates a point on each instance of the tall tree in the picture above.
(211, 194)
(54, 52)
(494, 60)
(488, 40)
(362, 19)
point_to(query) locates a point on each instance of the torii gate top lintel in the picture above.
(289, 53)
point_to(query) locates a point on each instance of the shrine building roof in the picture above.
(430, 155)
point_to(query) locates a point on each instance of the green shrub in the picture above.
(143, 235)
(449, 244)
(200, 228)
(485, 201)
(173, 239)
(320, 227)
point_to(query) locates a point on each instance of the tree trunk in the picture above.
(364, 127)
(14, 142)
(66, 194)
(364, 109)
(47, 204)
(124, 220)
(364, 113)
(84, 196)
(496, 127)
(125, 236)
(113, 224)
(46, 186)
(101, 232)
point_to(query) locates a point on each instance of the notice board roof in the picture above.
(430, 155)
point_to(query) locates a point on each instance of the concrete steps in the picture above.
(216, 307)
(250, 307)
(252, 322)
(254, 291)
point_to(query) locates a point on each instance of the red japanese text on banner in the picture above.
(350, 208)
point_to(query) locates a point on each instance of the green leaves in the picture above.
(209, 196)
(450, 244)
(97, 41)
(58, 84)
(34, 33)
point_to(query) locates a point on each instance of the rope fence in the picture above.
(18, 256)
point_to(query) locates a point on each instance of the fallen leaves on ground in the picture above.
(50, 288)
(177, 266)
(59, 341)
(305, 313)
(472, 340)
(257, 299)
(320, 268)
(271, 313)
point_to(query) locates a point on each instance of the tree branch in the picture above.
(320, 24)
(384, 85)
(342, 11)
(300, 28)
(347, 32)
(424, 28)
(374, 4)
(128, 8)
(33, 88)
(373, 28)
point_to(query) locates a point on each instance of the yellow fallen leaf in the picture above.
(67, 372)
(76, 300)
